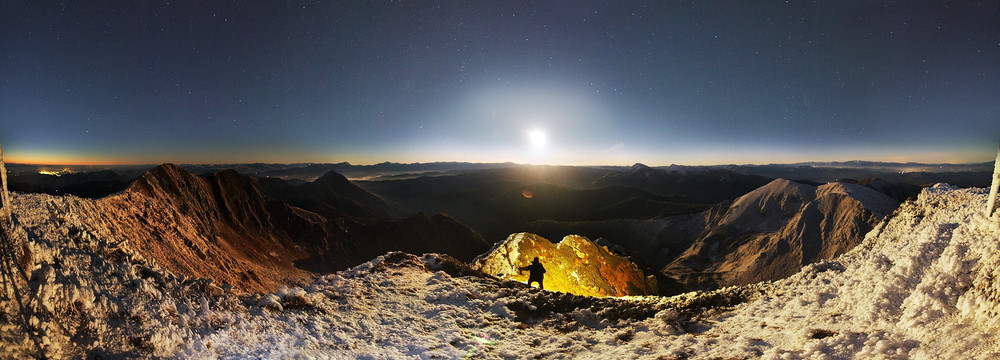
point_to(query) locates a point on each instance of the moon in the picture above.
(538, 137)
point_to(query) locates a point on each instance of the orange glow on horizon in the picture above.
(49, 160)
(720, 156)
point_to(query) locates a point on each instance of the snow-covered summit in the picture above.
(781, 199)
(771, 232)
(878, 203)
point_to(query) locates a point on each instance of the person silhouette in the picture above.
(536, 272)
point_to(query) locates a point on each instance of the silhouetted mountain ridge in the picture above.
(333, 196)
(703, 185)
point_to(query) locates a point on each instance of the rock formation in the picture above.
(574, 265)
(220, 227)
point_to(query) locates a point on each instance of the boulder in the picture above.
(575, 265)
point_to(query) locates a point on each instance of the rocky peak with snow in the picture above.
(773, 231)
(638, 168)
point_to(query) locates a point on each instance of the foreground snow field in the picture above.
(921, 285)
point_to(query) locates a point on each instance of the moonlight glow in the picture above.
(93, 83)
(538, 138)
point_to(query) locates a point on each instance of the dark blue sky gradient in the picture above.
(658, 82)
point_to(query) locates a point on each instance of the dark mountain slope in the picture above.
(700, 185)
(498, 202)
(332, 196)
(419, 233)
(92, 184)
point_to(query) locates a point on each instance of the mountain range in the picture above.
(230, 228)
(920, 285)
(689, 226)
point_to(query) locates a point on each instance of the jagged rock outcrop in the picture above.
(220, 226)
(771, 232)
(574, 265)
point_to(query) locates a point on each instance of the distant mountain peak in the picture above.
(332, 177)
(166, 168)
(638, 166)
(642, 171)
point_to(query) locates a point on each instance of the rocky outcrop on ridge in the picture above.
(574, 265)
(220, 226)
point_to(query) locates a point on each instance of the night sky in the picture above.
(580, 82)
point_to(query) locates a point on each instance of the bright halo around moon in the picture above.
(538, 138)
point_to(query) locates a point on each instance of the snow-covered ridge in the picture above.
(879, 204)
(921, 285)
(765, 207)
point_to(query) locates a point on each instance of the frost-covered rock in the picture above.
(575, 265)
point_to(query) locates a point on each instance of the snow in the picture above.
(879, 204)
(920, 286)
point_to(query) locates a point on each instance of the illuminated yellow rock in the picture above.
(575, 265)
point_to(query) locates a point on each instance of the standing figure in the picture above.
(536, 272)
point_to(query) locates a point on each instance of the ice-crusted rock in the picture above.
(575, 265)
